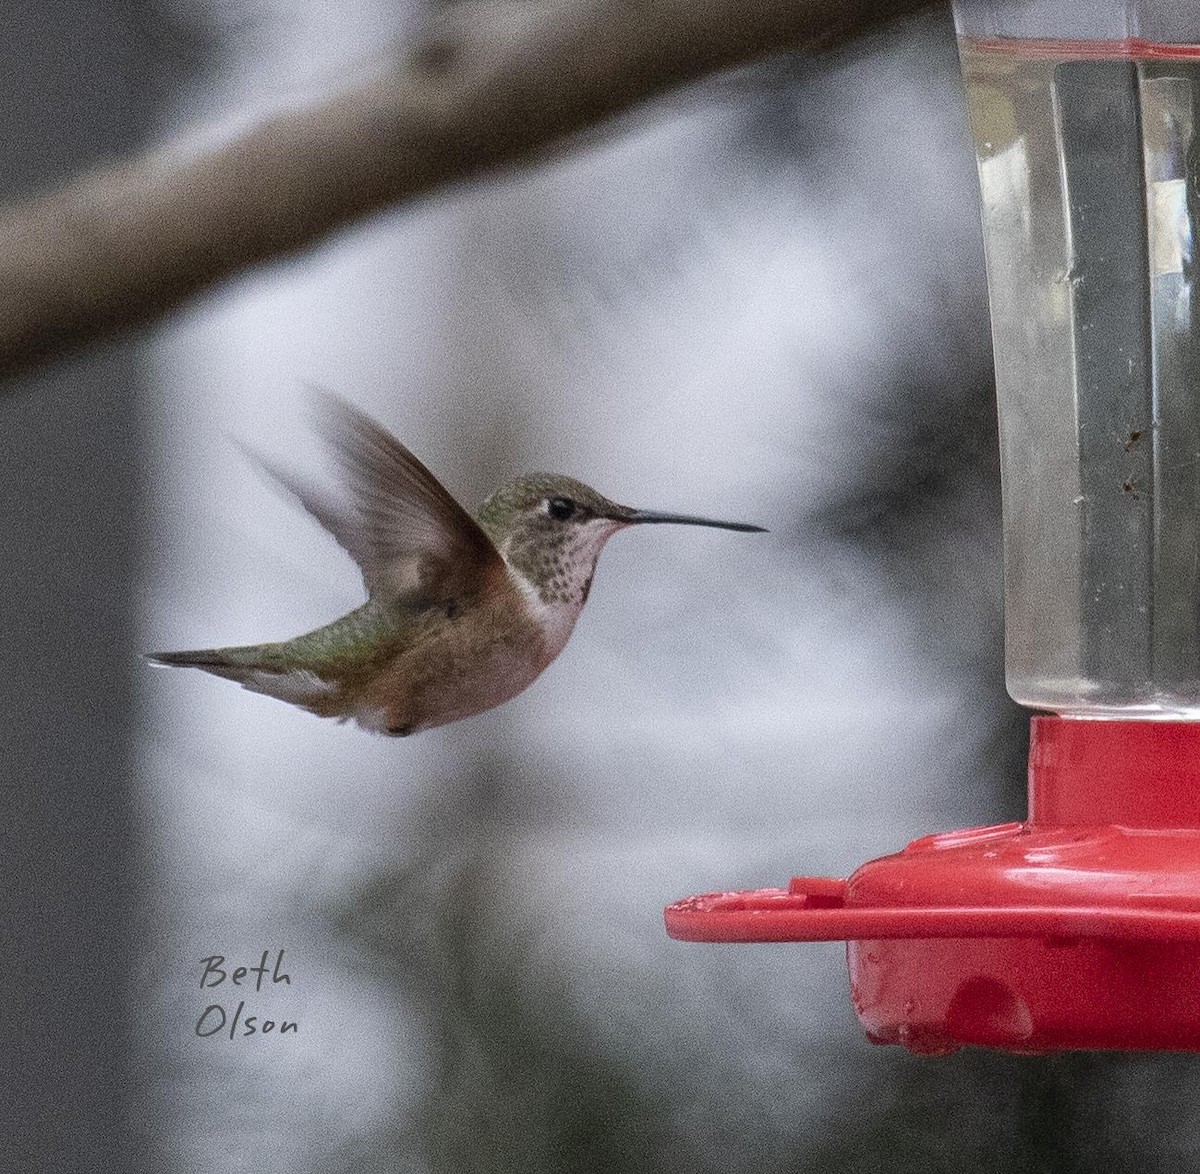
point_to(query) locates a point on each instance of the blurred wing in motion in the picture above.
(411, 539)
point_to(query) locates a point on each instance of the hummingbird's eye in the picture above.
(560, 508)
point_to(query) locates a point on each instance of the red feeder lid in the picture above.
(1077, 929)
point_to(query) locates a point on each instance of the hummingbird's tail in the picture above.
(223, 662)
(262, 668)
(199, 658)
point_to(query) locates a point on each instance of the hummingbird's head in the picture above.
(551, 529)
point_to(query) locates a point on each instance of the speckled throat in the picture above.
(559, 564)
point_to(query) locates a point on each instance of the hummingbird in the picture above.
(462, 612)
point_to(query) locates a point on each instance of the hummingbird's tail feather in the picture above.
(199, 658)
(257, 667)
(224, 662)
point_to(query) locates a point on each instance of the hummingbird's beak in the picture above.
(637, 517)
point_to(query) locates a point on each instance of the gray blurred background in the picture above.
(761, 298)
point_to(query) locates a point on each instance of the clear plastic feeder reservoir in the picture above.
(1085, 120)
(1079, 928)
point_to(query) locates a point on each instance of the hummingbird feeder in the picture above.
(1080, 927)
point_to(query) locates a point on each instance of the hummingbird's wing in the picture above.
(399, 523)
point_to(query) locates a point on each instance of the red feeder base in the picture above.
(1077, 929)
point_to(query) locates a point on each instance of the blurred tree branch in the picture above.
(490, 85)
